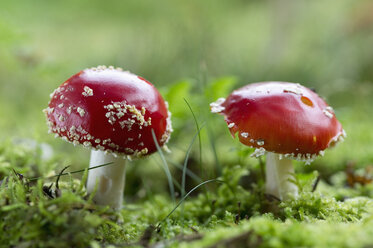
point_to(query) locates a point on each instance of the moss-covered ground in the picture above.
(194, 52)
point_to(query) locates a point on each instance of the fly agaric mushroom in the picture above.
(113, 112)
(283, 120)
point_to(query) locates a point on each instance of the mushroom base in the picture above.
(279, 176)
(107, 182)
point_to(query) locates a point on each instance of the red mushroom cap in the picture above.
(281, 117)
(110, 110)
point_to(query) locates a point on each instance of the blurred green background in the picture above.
(197, 50)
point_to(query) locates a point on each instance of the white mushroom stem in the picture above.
(109, 179)
(279, 177)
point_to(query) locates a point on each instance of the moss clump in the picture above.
(313, 206)
(40, 213)
(36, 216)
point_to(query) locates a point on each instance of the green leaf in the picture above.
(220, 88)
(175, 97)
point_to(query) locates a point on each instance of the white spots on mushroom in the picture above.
(245, 135)
(167, 134)
(111, 118)
(308, 158)
(80, 111)
(81, 130)
(109, 107)
(252, 141)
(87, 91)
(61, 118)
(258, 152)
(103, 67)
(117, 110)
(87, 144)
(54, 93)
(127, 123)
(60, 105)
(328, 111)
(100, 147)
(140, 153)
(136, 114)
(62, 97)
(77, 135)
(50, 125)
(48, 111)
(148, 123)
(230, 125)
(216, 106)
(99, 68)
(166, 149)
(338, 138)
(69, 109)
(260, 142)
(321, 153)
(120, 115)
(294, 88)
(112, 145)
(344, 134)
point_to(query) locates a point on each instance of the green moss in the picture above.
(34, 215)
(264, 231)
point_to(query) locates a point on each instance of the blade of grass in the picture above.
(165, 167)
(203, 172)
(191, 191)
(213, 147)
(68, 173)
(199, 137)
(186, 161)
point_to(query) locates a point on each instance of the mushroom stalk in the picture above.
(109, 179)
(279, 176)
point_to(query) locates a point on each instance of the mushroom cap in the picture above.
(281, 117)
(110, 110)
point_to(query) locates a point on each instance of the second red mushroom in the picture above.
(283, 120)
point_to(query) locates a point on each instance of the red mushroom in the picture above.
(286, 121)
(113, 112)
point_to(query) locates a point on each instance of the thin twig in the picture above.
(316, 183)
(68, 173)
